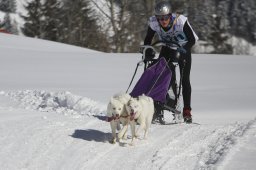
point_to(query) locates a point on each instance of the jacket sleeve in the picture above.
(190, 36)
(149, 36)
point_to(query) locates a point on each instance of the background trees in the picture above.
(9, 7)
(120, 25)
(71, 22)
(33, 26)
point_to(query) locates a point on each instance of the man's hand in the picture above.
(182, 50)
(141, 49)
(149, 53)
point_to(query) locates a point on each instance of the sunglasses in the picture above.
(162, 17)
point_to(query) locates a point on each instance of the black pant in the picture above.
(185, 64)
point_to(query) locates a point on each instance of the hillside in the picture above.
(53, 101)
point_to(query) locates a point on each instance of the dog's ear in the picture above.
(127, 96)
(129, 102)
(132, 99)
(112, 100)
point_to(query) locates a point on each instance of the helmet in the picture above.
(163, 8)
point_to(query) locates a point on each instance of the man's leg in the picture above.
(185, 67)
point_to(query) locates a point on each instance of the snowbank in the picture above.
(61, 102)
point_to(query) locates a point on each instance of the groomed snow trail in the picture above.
(61, 130)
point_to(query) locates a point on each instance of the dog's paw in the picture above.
(123, 144)
(132, 144)
(137, 136)
(112, 141)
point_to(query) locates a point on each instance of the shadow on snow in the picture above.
(91, 135)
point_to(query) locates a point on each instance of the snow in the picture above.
(53, 100)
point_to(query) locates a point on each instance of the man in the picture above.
(173, 27)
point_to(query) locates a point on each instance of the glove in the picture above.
(182, 50)
(149, 54)
(141, 49)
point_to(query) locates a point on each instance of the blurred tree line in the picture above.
(9, 7)
(121, 25)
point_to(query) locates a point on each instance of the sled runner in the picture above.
(158, 80)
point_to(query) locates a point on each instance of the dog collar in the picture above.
(109, 119)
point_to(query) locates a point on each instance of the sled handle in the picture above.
(143, 51)
(157, 44)
(167, 44)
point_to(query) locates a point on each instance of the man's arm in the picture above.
(149, 36)
(190, 36)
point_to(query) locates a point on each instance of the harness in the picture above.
(168, 34)
(109, 119)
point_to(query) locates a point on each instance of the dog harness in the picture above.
(109, 119)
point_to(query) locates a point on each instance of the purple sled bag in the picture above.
(154, 81)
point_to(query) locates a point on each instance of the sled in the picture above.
(157, 79)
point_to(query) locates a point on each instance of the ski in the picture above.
(168, 108)
(177, 123)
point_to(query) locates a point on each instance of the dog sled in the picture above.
(159, 82)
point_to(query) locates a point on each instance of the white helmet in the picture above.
(163, 8)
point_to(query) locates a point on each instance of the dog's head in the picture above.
(117, 107)
(123, 97)
(133, 108)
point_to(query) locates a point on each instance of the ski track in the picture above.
(202, 146)
(65, 141)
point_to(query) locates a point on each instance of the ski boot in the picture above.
(161, 119)
(158, 117)
(187, 115)
(177, 118)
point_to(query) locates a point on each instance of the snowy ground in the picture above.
(53, 99)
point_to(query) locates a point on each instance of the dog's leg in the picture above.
(148, 121)
(133, 124)
(147, 126)
(122, 132)
(141, 121)
(125, 133)
(146, 133)
(140, 128)
(113, 128)
(118, 125)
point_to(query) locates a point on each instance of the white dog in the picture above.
(117, 113)
(140, 110)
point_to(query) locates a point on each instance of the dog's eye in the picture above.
(119, 108)
(114, 108)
